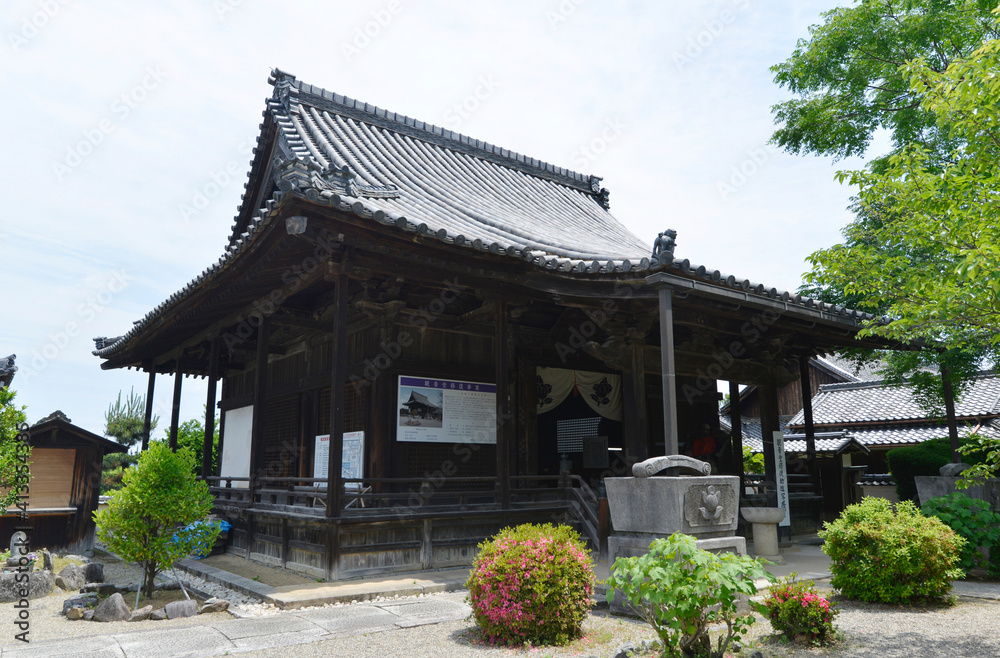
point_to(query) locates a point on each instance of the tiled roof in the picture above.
(826, 442)
(876, 480)
(909, 434)
(868, 402)
(422, 179)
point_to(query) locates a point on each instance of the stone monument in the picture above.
(689, 499)
(18, 549)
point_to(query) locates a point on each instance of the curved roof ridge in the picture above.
(435, 134)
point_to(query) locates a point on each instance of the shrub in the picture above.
(973, 520)
(753, 462)
(679, 589)
(795, 608)
(878, 554)
(925, 458)
(143, 521)
(532, 583)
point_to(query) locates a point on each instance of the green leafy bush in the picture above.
(679, 589)
(925, 458)
(145, 521)
(975, 522)
(753, 462)
(795, 608)
(878, 554)
(532, 583)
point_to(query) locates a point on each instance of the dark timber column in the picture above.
(259, 403)
(736, 437)
(338, 375)
(769, 423)
(213, 376)
(175, 411)
(147, 421)
(805, 383)
(636, 421)
(949, 409)
(666, 294)
(502, 351)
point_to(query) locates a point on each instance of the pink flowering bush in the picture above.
(531, 583)
(796, 609)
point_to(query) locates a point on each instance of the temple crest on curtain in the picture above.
(602, 392)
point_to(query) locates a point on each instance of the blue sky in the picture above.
(128, 129)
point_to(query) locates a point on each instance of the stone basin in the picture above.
(703, 506)
(763, 514)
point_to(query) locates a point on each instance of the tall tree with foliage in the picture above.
(850, 80)
(125, 420)
(848, 77)
(152, 519)
(191, 435)
(14, 455)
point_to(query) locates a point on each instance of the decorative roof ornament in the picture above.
(663, 247)
(7, 370)
(100, 342)
(600, 193)
(285, 89)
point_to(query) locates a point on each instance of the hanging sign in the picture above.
(781, 475)
(353, 456)
(446, 411)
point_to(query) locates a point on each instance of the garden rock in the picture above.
(40, 583)
(177, 609)
(141, 614)
(71, 578)
(74, 613)
(214, 606)
(624, 651)
(88, 615)
(47, 561)
(158, 614)
(81, 601)
(112, 608)
(94, 572)
(102, 589)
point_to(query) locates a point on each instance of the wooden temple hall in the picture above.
(481, 338)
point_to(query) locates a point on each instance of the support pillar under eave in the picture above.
(805, 383)
(736, 435)
(147, 421)
(175, 411)
(209, 439)
(504, 417)
(769, 422)
(259, 401)
(636, 441)
(338, 377)
(665, 293)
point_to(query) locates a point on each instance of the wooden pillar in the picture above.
(147, 422)
(805, 383)
(636, 442)
(528, 395)
(175, 411)
(209, 440)
(949, 410)
(667, 365)
(338, 377)
(769, 423)
(502, 352)
(736, 436)
(259, 402)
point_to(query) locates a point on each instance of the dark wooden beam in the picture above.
(338, 378)
(259, 400)
(736, 436)
(636, 419)
(147, 421)
(504, 418)
(805, 383)
(665, 293)
(175, 410)
(209, 440)
(769, 423)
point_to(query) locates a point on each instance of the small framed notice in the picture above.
(353, 459)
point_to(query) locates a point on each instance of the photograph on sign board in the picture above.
(421, 407)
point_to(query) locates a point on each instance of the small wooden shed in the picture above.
(64, 487)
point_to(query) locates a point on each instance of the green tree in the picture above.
(14, 454)
(153, 519)
(848, 81)
(125, 419)
(191, 435)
